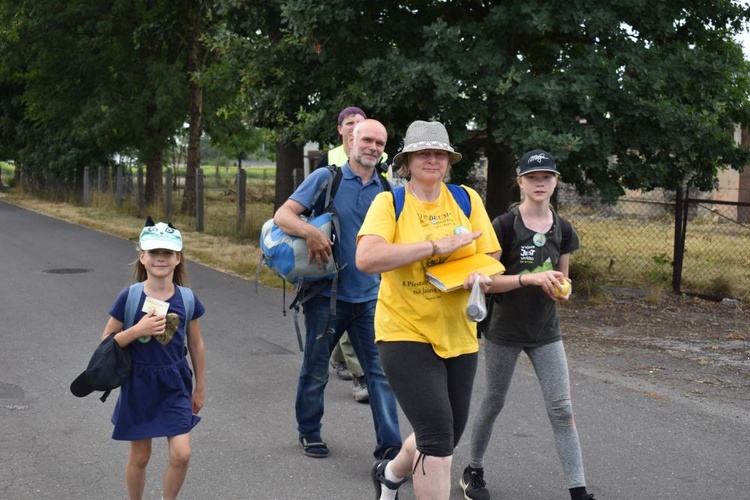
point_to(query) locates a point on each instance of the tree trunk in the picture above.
(196, 105)
(502, 189)
(289, 157)
(154, 182)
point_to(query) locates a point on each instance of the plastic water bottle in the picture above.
(476, 308)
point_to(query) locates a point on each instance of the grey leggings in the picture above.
(551, 367)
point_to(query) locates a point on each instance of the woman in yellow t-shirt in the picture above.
(427, 345)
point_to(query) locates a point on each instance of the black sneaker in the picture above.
(581, 494)
(472, 482)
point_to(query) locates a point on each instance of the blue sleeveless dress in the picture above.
(155, 401)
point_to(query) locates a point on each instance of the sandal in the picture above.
(313, 447)
(378, 479)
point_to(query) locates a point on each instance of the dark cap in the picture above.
(351, 110)
(108, 368)
(537, 160)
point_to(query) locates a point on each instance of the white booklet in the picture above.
(159, 307)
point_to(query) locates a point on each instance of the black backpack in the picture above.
(507, 238)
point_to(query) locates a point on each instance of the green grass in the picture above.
(223, 177)
(7, 171)
(638, 254)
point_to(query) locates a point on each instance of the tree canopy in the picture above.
(93, 79)
(627, 94)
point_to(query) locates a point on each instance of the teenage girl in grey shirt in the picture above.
(525, 319)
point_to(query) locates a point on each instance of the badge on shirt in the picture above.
(539, 239)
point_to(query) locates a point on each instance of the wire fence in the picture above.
(635, 241)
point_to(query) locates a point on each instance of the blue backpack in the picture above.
(134, 296)
(459, 194)
(110, 366)
(286, 255)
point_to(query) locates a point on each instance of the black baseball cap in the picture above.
(537, 160)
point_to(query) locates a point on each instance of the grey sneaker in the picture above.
(472, 482)
(341, 371)
(360, 390)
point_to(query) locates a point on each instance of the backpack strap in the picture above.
(399, 194)
(188, 298)
(333, 185)
(507, 235)
(131, 304)
(328, 188)
(134, 297)
(460, 194)
(381, 170)
(566, 228)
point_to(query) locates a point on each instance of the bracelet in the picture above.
(520, 283)
(434, 248)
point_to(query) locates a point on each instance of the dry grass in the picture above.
(631, 253)
(638, 254)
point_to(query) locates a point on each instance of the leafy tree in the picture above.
(38, 49)
(204, 18)
(266, 71)
(97, 78)
(625, 93)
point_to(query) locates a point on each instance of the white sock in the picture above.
(385, 492)
(390, 476)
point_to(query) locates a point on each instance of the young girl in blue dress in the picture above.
(158, 399)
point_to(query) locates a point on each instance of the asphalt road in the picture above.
(57, 281)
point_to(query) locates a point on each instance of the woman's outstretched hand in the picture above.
(450, 244)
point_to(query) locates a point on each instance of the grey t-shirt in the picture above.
(526, 317)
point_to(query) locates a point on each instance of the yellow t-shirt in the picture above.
(409, 307)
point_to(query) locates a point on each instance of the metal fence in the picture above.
(691, 244)
(687, 243)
